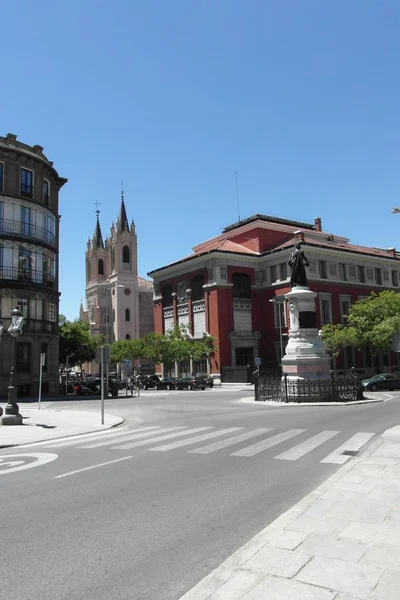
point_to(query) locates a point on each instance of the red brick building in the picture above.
(224, 289)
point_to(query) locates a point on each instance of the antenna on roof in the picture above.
(237, 196)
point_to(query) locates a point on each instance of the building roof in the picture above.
(251, 241)
(337, 245)
(97, 237)
(227, 246)
(269, 219)
(145, 284)
(122, 222)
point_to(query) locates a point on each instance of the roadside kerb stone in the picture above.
(50, 424)
(272, 404)
(343, 538)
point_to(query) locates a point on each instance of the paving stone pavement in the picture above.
(341, 542)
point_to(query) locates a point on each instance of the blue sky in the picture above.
(300, 97)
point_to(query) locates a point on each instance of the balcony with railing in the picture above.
(27, 276)
(27, 230)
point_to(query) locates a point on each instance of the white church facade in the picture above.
(119, 303)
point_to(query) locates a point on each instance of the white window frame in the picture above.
(323, 268)
(20, 182)
(344, 298)
(277, 306)
(344, 272)
(282, 265)
(324, 297)
(48, 195)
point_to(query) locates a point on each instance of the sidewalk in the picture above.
(49, 423)
(341, 542)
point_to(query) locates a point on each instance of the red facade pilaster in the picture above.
(220, 324)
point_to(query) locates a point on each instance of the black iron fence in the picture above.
(19, 228)
(337, 388)
(27, 275)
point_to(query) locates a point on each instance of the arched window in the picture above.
(127, 337)
(197, 288)
(167, 295)
(241, 285)
(127, 314)
(100, 267)
(126, 254)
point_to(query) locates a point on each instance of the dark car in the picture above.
(82, 390)
(191, 383)
(148, 381)
(383, 381)
(209, 381)
(167, 383)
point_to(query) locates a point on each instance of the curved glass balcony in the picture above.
(27, 230)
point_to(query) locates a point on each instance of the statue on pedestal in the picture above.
(298, 264)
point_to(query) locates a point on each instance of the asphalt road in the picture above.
(147, 510)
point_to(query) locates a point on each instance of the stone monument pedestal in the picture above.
(306, 365)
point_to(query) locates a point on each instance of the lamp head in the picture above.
(16, 322)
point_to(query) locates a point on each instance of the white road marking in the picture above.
(198, 438)
(160, 438)
(69, 440)
(307, 446)
(128, 437)
(103, 435)
(230, 441)
(104, 464)
(20, 465)
(354, 443)
(268, 443)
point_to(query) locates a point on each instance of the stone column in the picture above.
(305, 356)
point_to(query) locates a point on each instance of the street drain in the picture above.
(351, 452)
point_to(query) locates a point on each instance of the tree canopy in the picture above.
(371, 323)
(176, 345)
(76, 342)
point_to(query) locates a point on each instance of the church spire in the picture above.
(97, 237)
(122, 222)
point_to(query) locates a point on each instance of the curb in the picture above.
(63, 437)
(250, 400)
(210, 584)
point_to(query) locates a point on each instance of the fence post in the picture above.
(286, 394)
(332, 374)
(255, 375)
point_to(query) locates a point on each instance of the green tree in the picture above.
(76, 343)
(126, 349)
(371, 323)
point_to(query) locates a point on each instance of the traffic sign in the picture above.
(258, 362)
(127, 363)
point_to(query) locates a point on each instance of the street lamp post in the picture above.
(11, 414)
(109, 289)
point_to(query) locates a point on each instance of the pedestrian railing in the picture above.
(337, 388)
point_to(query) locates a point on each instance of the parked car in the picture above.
(167, 383)
(149, 381)
(207, 378)
(191, 383)
(382, 381)
(82, 390)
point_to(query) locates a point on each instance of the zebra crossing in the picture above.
(238, 441)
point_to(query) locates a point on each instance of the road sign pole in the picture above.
(42, 359)
(102, 384)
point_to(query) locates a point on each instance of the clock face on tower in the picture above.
(127, 291)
